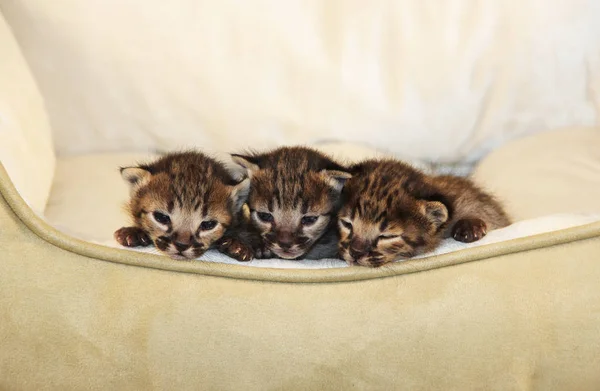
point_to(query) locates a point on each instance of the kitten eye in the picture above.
(346, 224)
(208, 225)
(309, 220)
(383, 237)
(161, 218)
(265, 217)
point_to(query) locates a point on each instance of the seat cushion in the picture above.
(88, 194)
(548, 173)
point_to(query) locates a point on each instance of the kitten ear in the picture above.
(250, 163)
(336, 178)
(239, 194)
(135, 177)
(435, 211)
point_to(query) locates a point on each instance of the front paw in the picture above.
(374, 263)
(235, 248)
(469, 230)
(262, 252)
(132, 237)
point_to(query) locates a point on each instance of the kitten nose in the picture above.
(356, 254)
(182, 241)
(285, 240)
(181, 246)
(358, 248)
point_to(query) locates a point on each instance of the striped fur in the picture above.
(294, 197)
(393, 211)
(182, 203)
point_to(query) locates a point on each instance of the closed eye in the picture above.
(386, 237)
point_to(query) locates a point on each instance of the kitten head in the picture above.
(294, 195)
(184, 201)
(380, 221)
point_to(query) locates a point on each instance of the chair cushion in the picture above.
(88, 194)
(555, 172)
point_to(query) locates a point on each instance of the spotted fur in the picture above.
(393, 211)
(183, 203)
(294, 197)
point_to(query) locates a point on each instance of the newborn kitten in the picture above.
(294, 197)
(394, 211)
(184, 203)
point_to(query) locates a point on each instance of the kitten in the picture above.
(184, 203)
(294, 197)
(394, 211)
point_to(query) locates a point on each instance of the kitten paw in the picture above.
(262, 252)
(469, 230)
(373, 263)
(132, 237)
(235, 249)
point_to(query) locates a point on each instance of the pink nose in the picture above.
(181, 246)
(358, 248)
(285, 240)
(182, 240)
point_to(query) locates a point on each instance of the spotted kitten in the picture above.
(184, 203)
(393, 211)
(294, 197)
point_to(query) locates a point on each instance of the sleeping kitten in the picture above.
(294, 197)
(184, 203)
(394, 211)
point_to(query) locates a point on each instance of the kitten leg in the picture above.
(469, 230)
(132, 237)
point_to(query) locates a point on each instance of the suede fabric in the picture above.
(92, 184)
(553, 172)
(69, 320)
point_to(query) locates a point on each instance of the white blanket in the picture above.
(517, 230)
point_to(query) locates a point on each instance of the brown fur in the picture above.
(394, 211)
(196, 198)
(296, 190)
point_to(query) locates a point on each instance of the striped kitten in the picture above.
(393, 211)
(294, 197)
(184, 203)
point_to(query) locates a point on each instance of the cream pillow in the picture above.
(26, 149)
(444, 82)
(555, 172)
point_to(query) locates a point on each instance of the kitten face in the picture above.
(294, 195)
(290, 227)
(374, 241)
(184, 202)
(380, 222)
